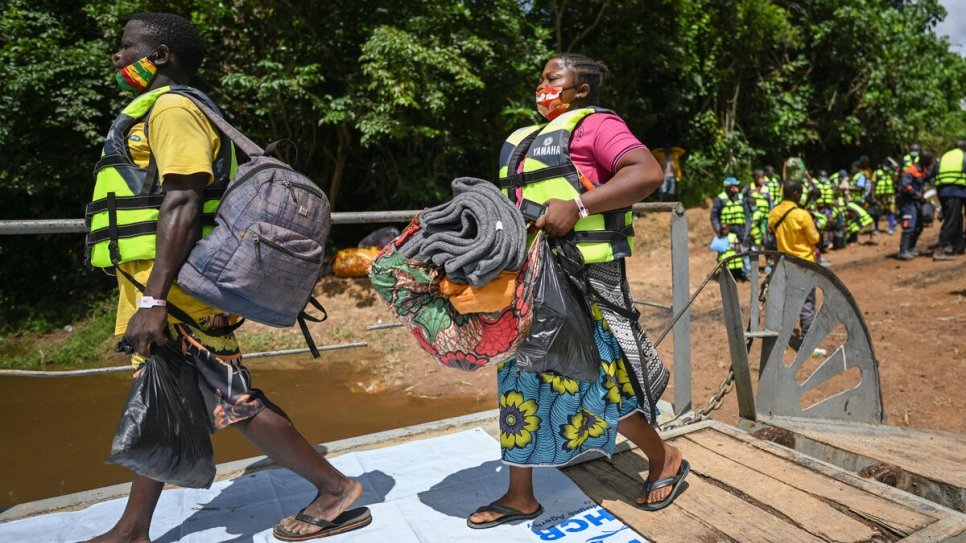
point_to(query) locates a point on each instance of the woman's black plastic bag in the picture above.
(164, 432)
(561, 338)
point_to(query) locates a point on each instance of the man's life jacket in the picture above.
(122, 217)
(952, 169)
(859, 218)
(884, 185)
(827, 196)
(774, 187)
(909, 159)
(732, 209)
(548, 172)
(760, 198)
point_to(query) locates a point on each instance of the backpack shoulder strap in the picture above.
(782, 219)
(240, 140)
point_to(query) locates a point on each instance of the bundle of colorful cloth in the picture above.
(473, 237)
(460, 278)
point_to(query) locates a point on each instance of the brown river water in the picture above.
(56, 433)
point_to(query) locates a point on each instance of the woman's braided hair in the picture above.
(589, 71)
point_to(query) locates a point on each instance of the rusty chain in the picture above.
(713, 403)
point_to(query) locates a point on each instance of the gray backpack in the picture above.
(264, 255)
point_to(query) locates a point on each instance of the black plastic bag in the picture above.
(164, 433)
(561, 337)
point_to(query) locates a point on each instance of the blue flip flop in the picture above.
(509, 515)
(674, 482)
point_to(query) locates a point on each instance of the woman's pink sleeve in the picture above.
(613, 140)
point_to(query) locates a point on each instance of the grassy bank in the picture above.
(77, 345)
(90, 342)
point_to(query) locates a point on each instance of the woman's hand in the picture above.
(560, 217)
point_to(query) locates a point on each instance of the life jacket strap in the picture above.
(183, 316)
(568, 171)
(112, 228)
(121, 231)
(109, 161)
(132, 202)
(601, 236)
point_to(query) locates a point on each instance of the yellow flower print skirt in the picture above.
(549, 420)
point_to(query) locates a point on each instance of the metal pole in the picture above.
(680, 291)
(77, 226)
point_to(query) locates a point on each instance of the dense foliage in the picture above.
(389, 100)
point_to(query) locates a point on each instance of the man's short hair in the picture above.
(791, 188)
(181, 37)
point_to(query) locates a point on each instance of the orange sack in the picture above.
(354, 262)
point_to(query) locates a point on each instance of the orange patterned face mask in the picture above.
(549, 103)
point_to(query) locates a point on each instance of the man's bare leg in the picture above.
(135, 522)
(273, 434)
(663, 459)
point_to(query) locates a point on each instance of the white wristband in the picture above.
(147, 302)
(581, 208)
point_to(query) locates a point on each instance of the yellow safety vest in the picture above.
(737, 263)
(548, 172)
(122, 217)
(732, 211)
(884, 183)
(951, 169)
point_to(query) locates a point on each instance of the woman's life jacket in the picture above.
(548, 172)
(122, 217)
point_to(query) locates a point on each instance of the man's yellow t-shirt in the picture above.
(183, 143)
(796, 235)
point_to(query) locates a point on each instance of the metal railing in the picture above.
(680, 275)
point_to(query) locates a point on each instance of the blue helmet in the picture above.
(731, 181)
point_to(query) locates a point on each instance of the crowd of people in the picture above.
(890, 197)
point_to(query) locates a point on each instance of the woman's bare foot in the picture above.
(521, 504)
(327, 506)
(661, 468)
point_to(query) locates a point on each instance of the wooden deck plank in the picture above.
(615, 491)
(947, 530)
(811, 514)
(728, 513)
(900, 519)
(934, 454)
(920, 505)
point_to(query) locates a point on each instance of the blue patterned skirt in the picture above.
(549, 420)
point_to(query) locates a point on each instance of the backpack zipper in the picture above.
(258, 240)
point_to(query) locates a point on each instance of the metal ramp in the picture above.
(843, 425)
(742, 488)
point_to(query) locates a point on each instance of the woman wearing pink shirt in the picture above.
(550, 420)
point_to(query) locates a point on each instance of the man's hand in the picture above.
(147, 326)
(560, 218)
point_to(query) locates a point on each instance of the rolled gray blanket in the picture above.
(473, 237)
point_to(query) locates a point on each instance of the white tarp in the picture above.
(420, 491)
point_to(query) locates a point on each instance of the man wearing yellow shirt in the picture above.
(163, 141)
(796, 235)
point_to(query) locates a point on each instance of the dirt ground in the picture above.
(915, 312)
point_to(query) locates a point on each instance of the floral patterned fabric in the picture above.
(548, 420)
(467, 342)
